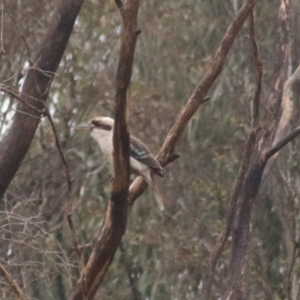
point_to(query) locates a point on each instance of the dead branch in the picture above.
(21, 34)
(10, 91)
(77, 247)
(11, 282)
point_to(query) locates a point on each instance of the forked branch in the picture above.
(197, 97)
(4, 273)
(108, 239)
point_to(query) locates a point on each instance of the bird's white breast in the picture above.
(104, 139)
(141, 169)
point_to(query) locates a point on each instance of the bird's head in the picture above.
(97, 124)
(99, 127)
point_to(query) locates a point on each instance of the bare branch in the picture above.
(78, 249)
(21, 34)
(197, 98)
(11, 92)
(11, 282)
(280, 144)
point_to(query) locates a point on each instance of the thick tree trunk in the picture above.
(15, 145)
(241, 231)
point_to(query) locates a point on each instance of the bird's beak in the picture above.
(84, 127)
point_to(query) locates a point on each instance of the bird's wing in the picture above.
(140, 152)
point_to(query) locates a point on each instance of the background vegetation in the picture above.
(161, 257)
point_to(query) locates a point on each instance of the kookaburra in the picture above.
(142, 162)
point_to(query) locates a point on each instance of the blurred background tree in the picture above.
(160, 257)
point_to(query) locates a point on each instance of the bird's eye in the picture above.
(100, 125)
(95, 123)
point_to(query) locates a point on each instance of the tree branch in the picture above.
(280, 144)
(236, 287)
(287, 107)
(250, 145)
(197, 98)
(15, 145)
(21, 34)
(111, 233)
(219, 246)
(10, 91)
(77, 247)
(11, 282)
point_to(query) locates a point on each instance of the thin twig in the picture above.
(78, 249)
(11, 282)
(21, 34)
(14, 94)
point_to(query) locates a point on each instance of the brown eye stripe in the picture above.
(98, 124)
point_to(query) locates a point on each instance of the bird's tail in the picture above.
(157, 193)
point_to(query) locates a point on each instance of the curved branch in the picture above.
(280, 144)
(108, 240)
(197, 98)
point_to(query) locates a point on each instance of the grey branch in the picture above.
(280, 144)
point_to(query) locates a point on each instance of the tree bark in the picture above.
(114, 225)
(166, 153)
(241, 231)
(16, 143)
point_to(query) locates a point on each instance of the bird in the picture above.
(141, 160)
